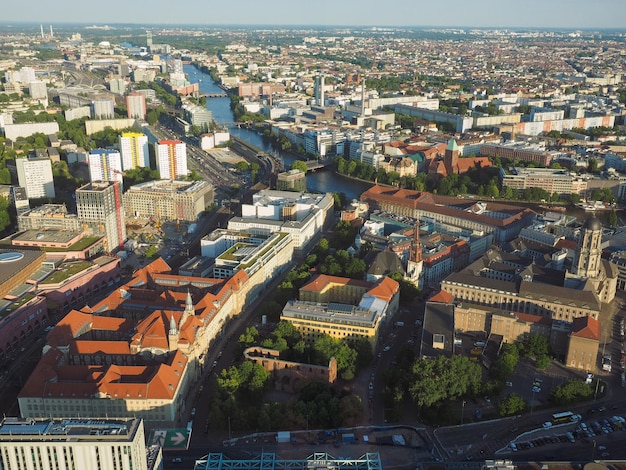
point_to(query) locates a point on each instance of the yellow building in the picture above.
(344, 321)
(324, 288)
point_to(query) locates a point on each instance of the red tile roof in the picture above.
(441, 297)
(586, 327)
(321, 281)
(385, 289)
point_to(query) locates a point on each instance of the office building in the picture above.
(103, 444)
(551, 180)
(134, 150)
(105, 165)
(344, 320)
(99, 206)
(171, 159)
(136, 106)
(198, 116)
(35, 176)
(302, 215)
(292, 180)
(168, 199)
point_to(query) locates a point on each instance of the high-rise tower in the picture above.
(99, 208)
(171, 156)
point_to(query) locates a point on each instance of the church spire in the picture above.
(173, 327)
(189, 309)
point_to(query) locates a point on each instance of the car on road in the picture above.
(536, 389)
(177, 460)
(386, 348)
(547, 424)
(371, 386)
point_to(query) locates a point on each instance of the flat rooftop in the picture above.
(17, 429)
(332, 312)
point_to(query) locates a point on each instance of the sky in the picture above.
(570, 14)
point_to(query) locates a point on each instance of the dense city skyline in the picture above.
(572, 14)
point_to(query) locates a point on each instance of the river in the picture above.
(320, 181)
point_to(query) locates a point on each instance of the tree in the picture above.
(542, 362)
(299, 165)
(504, 366)
(511, 405)
(537, 345)
(571, 392)
(592, 165)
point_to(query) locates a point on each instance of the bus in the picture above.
(563, 417)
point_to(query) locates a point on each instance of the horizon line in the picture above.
(314, 25)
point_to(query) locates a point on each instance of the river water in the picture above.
(320, 181)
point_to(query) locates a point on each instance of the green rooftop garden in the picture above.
(78, 246)
(66, 270)
(17, 304)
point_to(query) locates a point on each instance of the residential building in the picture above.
(517, 151)
(171, 159)
(99, 206)
(105, 165)
(136, 106)
(134, 150)
(13, 131)
(103, 108)
(169, 199)
(101, 444)
(35, 176)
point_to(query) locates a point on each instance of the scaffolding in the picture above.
(268, 461)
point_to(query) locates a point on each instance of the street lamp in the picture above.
(593, 450)
(462, 411)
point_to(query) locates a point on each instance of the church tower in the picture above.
(188, 312)
(451, 157)
(415, 263)
(172, 334)
(588, 257)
